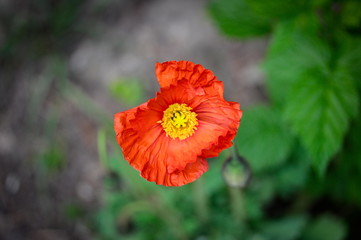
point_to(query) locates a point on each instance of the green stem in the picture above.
(102, 151)
(200, 201)
(237, 204)
(236, 195)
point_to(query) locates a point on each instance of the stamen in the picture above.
(179, 121)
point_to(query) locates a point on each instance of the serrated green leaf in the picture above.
(262, 138)
(236, 19)
(343, 183)
(277, 9)
(350, 58)
(293, 51)
(326, 227)
(319, 108)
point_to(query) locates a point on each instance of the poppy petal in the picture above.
(172, 161)
(218, 121)
(171, 72)
(145, 145)
(191, 172)
(224, 118)
(147, 119)
(122, 119)
(148, 154)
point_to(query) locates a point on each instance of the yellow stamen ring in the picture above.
(179, 121)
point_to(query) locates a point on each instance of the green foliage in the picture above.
(311, 83)
(248, 18)
(236, 18)
(350, 57)
(293, 51)
(319, 108)
(325, 227)
(293, 175)
(263, 139)
(343, 183)
(351, 14)
(127, 91)
(287, 228)
(142, 210)
(312, 70)
(52, 159)
(276, 9)
(318, 97)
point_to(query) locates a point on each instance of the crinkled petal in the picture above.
(218, 122)
(179, 152)
(220, 116)
(169, 73)
(122, 119)
(146, 146)
(190, 173)
(149, 153)
(174, 162)
(223, 141)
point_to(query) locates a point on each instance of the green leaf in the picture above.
(351, 13)
(319, 108)
(320, 3)
(343, 182)
(127, 91)
(293, 51)
(52, 159)
(351, 57)
(253, 207)
(277, 9)
(262, 138)
(236, 19)
(292, 176)
(262, 188)
(326, 227)
(287, 228)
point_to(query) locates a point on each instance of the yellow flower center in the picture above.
(179, 121)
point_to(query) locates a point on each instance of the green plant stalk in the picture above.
(236, 196)
(103, 156)
(200, 201)
(237, 204)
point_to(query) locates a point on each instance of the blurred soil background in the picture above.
(58, 62)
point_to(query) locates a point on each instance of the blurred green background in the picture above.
(67, 66)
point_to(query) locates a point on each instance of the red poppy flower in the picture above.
(169, 137)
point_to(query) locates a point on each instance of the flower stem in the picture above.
(200, 201)
(237, 204)
(236, 195)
